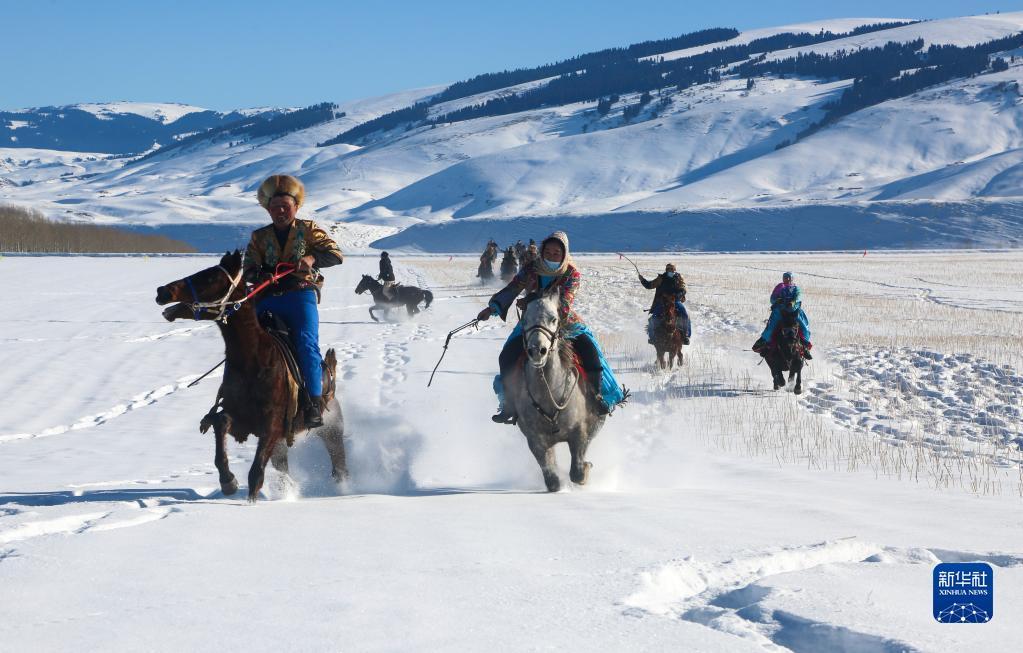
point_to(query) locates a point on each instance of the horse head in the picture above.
(789, 332)
(213, 285)
(366, 283)
(541, 326)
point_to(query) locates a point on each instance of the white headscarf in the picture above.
(541, 266)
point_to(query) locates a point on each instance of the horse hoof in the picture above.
(229, 487)
(553, 484)
(798, 390)
(583, 476)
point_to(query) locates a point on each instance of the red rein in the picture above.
(282, 270)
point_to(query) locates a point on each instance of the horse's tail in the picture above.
(429, 298)
(330, 365)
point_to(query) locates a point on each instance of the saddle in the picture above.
(391, 294)
(774, 345)
(281, 335)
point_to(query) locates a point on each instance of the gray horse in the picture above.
(548, 396)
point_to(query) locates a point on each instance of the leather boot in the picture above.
(504, 416)
(314, 413)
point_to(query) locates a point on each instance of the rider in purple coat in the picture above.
(786, 297)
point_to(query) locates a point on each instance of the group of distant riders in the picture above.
(531, 269)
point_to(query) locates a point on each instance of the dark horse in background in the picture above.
(667, 336)
(785, 353)
(258, 395)
(407, 296)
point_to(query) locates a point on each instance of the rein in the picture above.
(569, 384)
(226, 306)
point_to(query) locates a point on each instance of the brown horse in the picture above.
(668, 337)
(258, 395)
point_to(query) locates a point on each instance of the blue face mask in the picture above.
(670, 275)
(551, 265)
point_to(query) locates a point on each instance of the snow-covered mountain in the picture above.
(120, 128)
(749, 158)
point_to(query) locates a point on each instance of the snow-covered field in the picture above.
(721, 516)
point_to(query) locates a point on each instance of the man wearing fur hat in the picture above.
(670, 286)
(303, 244)
(554, 267)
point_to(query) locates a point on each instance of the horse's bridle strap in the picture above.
(197, 306)
(553, 335)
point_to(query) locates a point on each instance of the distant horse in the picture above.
(552, 402)
(407, 296)
(509, 266)
(486, 269)
(258, 394)
(667, 336)
(785, 353)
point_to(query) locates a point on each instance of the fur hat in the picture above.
(670, 267)
(280, 185)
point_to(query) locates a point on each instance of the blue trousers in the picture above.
(772, 324)
(298, 310)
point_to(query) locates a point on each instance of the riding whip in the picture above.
(447, 341)
(630, 261)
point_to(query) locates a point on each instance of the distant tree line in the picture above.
(419, 112)
(274, 123)
(877, 81)
(593, 76)
(608, 56)
(23, 230)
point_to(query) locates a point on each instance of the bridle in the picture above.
(223, 303)
(226, 306)
(554, 335)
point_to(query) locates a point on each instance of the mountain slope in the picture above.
(746, 149)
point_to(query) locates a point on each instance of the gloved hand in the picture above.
(485, 314)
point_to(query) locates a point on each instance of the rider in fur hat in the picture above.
(553, 268)
(305, 245)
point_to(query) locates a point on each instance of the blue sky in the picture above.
(225, 54)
